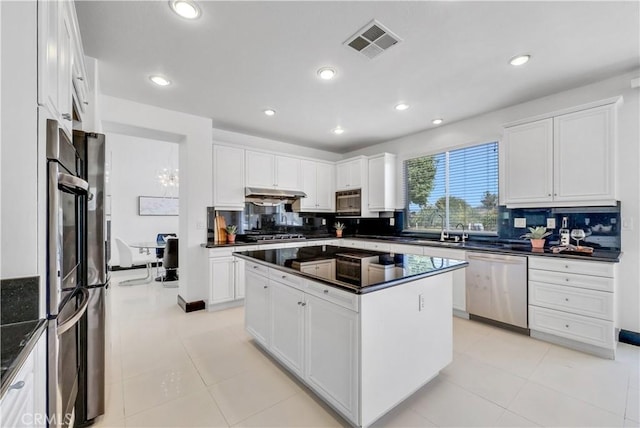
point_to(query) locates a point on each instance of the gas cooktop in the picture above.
(275, 237)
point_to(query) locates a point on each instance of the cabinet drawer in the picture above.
(286, 278)
(333, 295)
(572, 266)
(575, 300)
(221, 252)
(257, 268)
(575, 327)
(571, 279)
(377, 246)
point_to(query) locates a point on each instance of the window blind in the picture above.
(454, 187)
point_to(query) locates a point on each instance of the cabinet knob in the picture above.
(266, 286)
(566, 325)
(566, 266)
(326, 291)
(17, 385)
(299, 303)
(85, 103)
(303, 304)
(555, 194)
(255, 267)
(284, 276)
(566, 279)
(549, 194)
(66, 116)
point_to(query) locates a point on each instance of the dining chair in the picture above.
(161, 238)
(127, 260)
(170, 262)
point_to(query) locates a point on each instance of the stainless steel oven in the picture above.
(67, 297)
(349, 202)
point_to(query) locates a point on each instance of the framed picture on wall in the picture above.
(155, 205)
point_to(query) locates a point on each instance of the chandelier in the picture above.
(169, 179)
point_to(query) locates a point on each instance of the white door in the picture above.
(288, 173)
(355, 172)
(221, 275)
(239, 278)
(528, 162)
(343, 176)
(260, 169)
(325, 187)
(48, 56)
(331, 353)
(257, 307)
(228, 177)
(64, 67)
(309, 185)
(287, 326)
(376, 184)
(583, 155)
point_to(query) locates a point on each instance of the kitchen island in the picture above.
(364, 330)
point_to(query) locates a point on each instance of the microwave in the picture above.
(348, 202)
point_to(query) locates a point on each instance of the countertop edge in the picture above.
(18, 362)
(354, 290)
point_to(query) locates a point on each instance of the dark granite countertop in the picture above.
(18, 340)
(497, 246)
(408, 267)
(241, 243)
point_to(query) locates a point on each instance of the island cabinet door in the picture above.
(332, 354)
(257, 308)
(287, 326)
(221, 273)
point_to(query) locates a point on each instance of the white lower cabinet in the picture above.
(572, 303)
(226, 277)
(257, 305)
(459, 276)
(314, 337)
(332, 353)
(24, 403)
(322, 269)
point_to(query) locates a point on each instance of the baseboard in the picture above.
(630, 337)
(198, 305)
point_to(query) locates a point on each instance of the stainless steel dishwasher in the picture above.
(497, 288)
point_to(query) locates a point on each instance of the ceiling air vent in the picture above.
(373, 39)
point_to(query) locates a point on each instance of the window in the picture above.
(451, 188)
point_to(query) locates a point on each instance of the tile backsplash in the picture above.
(601, 224)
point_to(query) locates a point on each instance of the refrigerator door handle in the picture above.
(73, 320)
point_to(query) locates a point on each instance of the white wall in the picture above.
(488, 127)
(195, 152)
(19, 212)
(135, 163)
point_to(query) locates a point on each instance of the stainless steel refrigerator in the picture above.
(93, 345)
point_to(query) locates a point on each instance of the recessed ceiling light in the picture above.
(519, 60)
(185, 8)
(338, 130)
(270, 112)
(326, 73)
(160, 80)
(402, 106)
(437, 121)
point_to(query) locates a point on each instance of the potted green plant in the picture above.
(231, 233)
(339, 228)
(536, 235)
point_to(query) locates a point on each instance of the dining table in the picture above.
(146, 247)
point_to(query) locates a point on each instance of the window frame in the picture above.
(446, 151)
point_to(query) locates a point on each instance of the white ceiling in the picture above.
(242, 57)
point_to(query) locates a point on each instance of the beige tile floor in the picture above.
(171, 369)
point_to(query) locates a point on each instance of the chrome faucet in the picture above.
(464, 235)
(443, 233)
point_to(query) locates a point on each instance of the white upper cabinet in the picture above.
(271, 171)
(228, 178)
(318, 184)
(382, 180)
(560, 161)
(584, 152)
(528, 166)
(65, 41)
(349, 174)
(62, 76)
